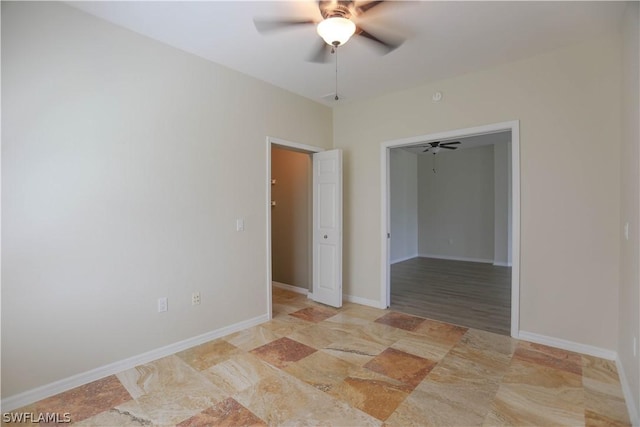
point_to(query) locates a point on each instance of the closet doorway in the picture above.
(304, 221)
(291, 221)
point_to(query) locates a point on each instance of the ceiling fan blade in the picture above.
(361, 10)
(424, 151)
(321, 53)
(450, 148)
(386, 45)
(449, 143)
(267, 26)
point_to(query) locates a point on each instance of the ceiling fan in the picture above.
(337, 26)
(435, 146)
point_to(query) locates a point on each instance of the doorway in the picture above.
(311, 203)
(291, 219)
(434, 259)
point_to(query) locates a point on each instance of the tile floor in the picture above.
(356, 366)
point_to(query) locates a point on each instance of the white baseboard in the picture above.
(568, 345)
(362, 301)
(356, 300)
(634, 413)
(406, 258)
(457, 258)
(291, 288)
(30, 396)
(502, 264)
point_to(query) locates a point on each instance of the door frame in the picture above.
(293, 146)
(385, 226)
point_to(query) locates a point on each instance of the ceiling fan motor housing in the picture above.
(335, 9)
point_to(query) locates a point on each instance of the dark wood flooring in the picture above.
(471, 294)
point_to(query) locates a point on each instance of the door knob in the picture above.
(325, 236)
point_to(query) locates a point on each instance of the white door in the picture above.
(327, 227)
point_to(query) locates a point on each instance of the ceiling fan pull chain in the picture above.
(336, 51)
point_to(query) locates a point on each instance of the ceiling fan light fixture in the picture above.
(336, 31)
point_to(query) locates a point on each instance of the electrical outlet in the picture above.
(195, 298)
(163, 304)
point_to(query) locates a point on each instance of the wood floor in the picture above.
(470, 294)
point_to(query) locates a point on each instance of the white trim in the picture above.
(405, 258)
(291, 288)
(634, 414)
(296, 146)
(30, 396)
(514, 127)
(568, 345)
(267, 204)
(385, 226)
(515, 228)
(502, 264)
(457, 258)
(362, 301)
(356, 300)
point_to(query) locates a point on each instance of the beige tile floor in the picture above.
(356, 366)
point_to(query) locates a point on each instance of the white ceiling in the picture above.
(443, 39)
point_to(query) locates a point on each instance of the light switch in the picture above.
(626, 230)
(239, 224)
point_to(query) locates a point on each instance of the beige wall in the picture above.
(291, 217)
(568, 104)
(630, 205)
(403, 205)
(456, 204)
(125, 164)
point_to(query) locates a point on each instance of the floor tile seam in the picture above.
(559, 395)
(591, 382)
(486, 407)
(528, 402)
(290, 377)
(480, 383)
(507, 368)
(550, 369)
(177, 390)
(238, 403)
(603, 394)
(483, 384)
(485, 366)
(383, 377)
(561, 364)
(154, 422)
(611, 421)
(387, 379)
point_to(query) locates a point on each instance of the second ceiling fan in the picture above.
(436, 146)
(337, 26)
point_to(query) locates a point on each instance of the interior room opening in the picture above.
(450, 220)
